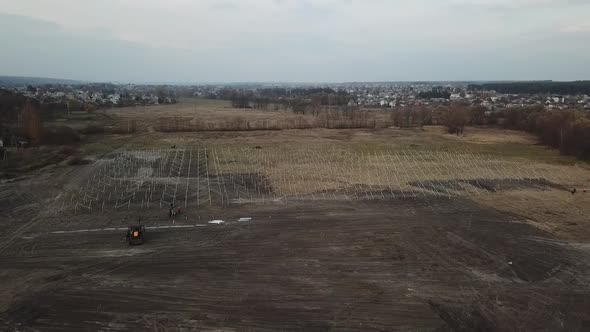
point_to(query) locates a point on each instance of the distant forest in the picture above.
(16, 81)
(297, 98)
(436, 92)
(548, 87)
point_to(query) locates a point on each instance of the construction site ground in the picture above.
(351, 230)
(414, 264)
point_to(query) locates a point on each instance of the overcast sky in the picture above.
(295, 40)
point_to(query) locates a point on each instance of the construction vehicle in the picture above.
(135, 234)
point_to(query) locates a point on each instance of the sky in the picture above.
(206, 41)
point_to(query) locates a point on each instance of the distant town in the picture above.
(540, 107)
(366, 95)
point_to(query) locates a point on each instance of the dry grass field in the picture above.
(352, 229)
(218, 115)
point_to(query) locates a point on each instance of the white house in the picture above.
(114, 99)
(96, 96)
(558, 99)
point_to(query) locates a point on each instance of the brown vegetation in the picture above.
(331, 119)
(456, 118)
(61, 135)
(413, 117)
(30, 123)
(566, 130)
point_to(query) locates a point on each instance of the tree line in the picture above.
(455, 117)
(539, 87)
(11, 104)
(286, 98)
(330, 119)
(566, 130)
(436, 92)
(23, 117)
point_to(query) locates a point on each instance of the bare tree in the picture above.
(30, 123)
(316, 104)
(456, 119)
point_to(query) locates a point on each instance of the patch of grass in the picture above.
(521, 151)
(208, 103)
(27, 160)
(104, 146)
(535, 153)
(77, 160)
(93, 129)
(356, 141)
(84, 116)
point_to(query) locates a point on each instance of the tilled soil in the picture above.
(445, 264)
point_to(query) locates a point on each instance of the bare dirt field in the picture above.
(359, 229)
(415, 264)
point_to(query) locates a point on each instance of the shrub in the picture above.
(77, 160)
(93, 129)
(61, 136)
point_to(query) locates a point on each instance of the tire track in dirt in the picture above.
(19, 207)
(369, 266)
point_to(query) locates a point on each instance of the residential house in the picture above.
(114, 99)
(558, 99)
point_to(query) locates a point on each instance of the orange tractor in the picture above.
(135, 234)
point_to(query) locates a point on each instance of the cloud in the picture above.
(281, 40)
(583, 27)
(517, 4)
(224, 5)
